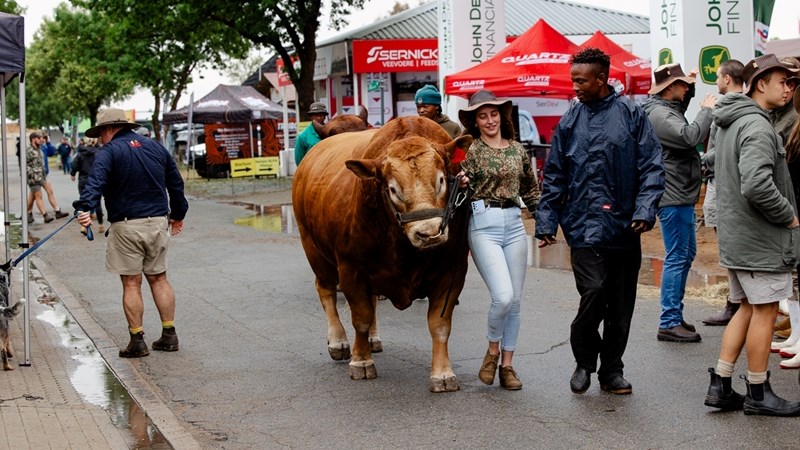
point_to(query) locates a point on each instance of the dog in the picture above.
(6, 313)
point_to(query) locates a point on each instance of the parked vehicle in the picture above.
(532, 141)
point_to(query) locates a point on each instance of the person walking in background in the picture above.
(784, 118)
(500, 173)
(729, 79)
(429, 104)
(82, 166)
(36, 178)
(759, 235)
(46, 150)
(65, 152)
(309, 137)
(602, 184)
(679, 139)
(145, 201)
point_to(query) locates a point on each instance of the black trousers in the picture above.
(606, 280)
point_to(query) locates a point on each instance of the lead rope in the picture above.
(457, 199)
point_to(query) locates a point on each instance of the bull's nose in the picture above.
(426, 236)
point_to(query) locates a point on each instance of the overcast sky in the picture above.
(784, 25)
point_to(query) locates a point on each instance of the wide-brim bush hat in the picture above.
(667, 74)
(108, 118)
(757, 67)
(317, 108)
(482, 98)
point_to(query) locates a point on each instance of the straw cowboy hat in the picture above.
(111, 117)
(754, 69)
(667, 74)
(483, 98)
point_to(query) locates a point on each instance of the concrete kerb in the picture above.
(125, 370)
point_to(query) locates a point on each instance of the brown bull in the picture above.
(342, 124)
(347, 197)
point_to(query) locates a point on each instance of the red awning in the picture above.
(534, 64)
(637, 69)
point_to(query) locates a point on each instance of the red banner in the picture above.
(283, 77)
(399, 55)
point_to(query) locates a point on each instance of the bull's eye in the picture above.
(392, 190)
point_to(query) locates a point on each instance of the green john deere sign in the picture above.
(664, 56)
(710, 59)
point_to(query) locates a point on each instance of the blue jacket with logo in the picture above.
(603, 172)
(134, 174)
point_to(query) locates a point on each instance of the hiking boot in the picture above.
(677, 334)
(509, 378)
(60, 214)
(48, 218)
(137, 347)
(488, 368)
(101, 228)
(30, 218)
(168, 342)
(721, 395)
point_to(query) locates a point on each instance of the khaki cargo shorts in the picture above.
(759, 288)
(138, 246)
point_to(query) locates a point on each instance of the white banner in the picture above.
(468, 35)
(701, 35)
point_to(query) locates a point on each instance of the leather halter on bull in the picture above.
(454, 200)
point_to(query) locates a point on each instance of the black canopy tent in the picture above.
(12, 64)
(228, 104)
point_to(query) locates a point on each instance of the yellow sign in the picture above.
(267, 165)
(243, 167)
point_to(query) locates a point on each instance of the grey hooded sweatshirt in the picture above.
(754, 190)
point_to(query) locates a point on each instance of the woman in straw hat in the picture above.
(500, 173)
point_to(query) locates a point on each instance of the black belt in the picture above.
(503, 204)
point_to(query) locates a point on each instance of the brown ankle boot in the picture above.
(488, 368)
(137, 347)
(168, 341)
(509, 378)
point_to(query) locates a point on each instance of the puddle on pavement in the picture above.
(558, 257)
(272, 219)
(95, 382)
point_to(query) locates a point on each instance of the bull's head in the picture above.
(413, 175)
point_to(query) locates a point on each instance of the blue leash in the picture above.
(10, 265)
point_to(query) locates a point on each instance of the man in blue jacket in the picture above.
(144, 198)
(602, 184)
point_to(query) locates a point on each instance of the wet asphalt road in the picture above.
(253, 370)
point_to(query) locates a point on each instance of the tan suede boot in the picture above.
(488, 367)
(509, 378)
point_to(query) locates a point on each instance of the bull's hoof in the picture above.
(363, 371)
(375, 344)
(446, 384)
(340, 351)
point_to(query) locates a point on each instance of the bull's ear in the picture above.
(320, 129)
(460, 144)
(364, 168)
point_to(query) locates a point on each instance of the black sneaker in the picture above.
(48, 218)
(60, 214)
(30, 218)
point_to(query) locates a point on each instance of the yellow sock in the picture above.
(168, 324)
(136, 330)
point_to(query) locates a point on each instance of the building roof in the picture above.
(568, 18)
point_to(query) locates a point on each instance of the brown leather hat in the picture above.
(667, 74)
(756, 68)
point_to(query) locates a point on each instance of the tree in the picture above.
(166, 40)
(281, 25)
(11, 7)
(71, 69)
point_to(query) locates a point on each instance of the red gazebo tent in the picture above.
(637, 69)
(534, 64)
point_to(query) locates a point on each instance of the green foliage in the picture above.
(11, 7)
(71, 69)
(281, 25)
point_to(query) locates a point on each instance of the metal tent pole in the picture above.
(23, 181)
